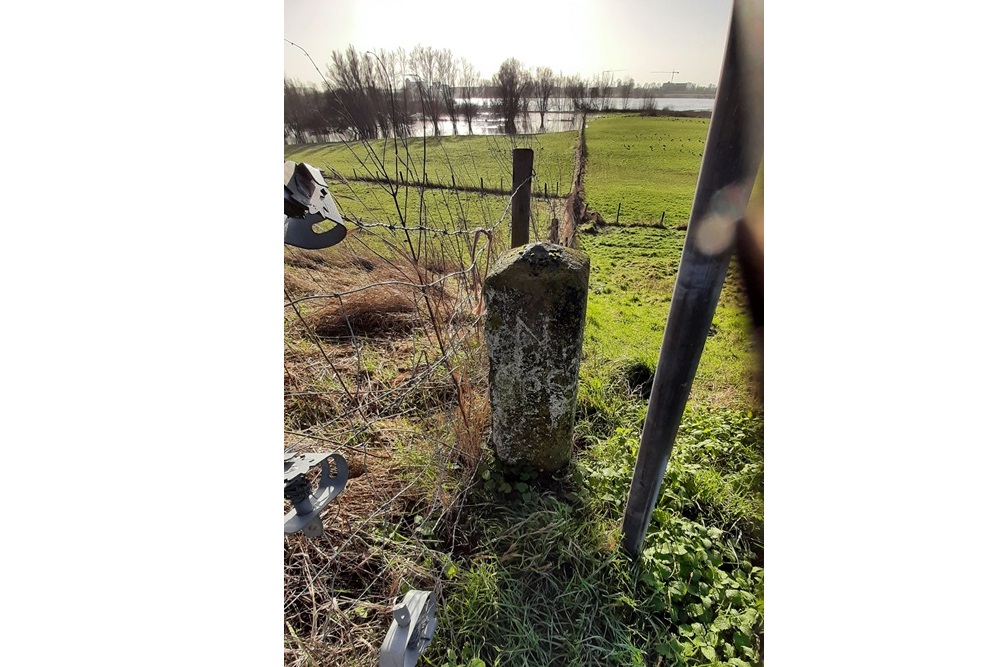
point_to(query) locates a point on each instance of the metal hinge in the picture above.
(306, 506)
(413, 625)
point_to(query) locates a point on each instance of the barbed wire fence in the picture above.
(385, 363)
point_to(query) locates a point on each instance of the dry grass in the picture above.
(339, 588)
(384, 363)
(382, 311)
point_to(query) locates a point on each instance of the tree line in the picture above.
(372, 94)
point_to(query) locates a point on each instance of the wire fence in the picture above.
(385, 363)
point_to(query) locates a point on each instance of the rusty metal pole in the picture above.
(732, 154)
(524, 159)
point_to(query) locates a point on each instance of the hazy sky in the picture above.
(584, 37)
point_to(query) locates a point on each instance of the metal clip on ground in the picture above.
(306, 507)
(411, 631)
(307, 202)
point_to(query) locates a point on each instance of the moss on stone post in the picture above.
(536, 301)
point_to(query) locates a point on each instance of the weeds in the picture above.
(384, 358)
(548, 584)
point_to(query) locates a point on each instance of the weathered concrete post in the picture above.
(536, 301)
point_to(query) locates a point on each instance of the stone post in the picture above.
(536, 301)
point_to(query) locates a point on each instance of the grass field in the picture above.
(631, 282)
(527, 567)
(648, 164)
(469, 158)
(438, 208)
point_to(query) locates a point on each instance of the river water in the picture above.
(561, 119)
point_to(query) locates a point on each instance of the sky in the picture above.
(587, 37)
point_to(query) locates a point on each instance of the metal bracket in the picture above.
(306, 507)
(411, 631)
(308, 202)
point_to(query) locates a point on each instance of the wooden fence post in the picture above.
(521, 196)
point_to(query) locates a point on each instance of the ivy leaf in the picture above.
(708, 652)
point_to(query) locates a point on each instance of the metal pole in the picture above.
(732, 154)
(521, 202)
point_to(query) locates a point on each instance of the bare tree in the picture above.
(295, 112)
(544, 85)
(391, 97)
(626, 87)
(575, 90)
(510, 82)
(448, 79)
(355, 91)
(306, 112)
(603, 84)
(424, 65)
(470, 83)
(648, 93)
(407, 104)
(526, 96)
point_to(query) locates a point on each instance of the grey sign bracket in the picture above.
(306, 506)
(308, 202)
(413, 625)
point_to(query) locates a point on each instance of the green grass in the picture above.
(632, 273)
(468, 157)
(544, 581)
(650, 165)
(532, 571)
(547, 583)
(438, 208)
